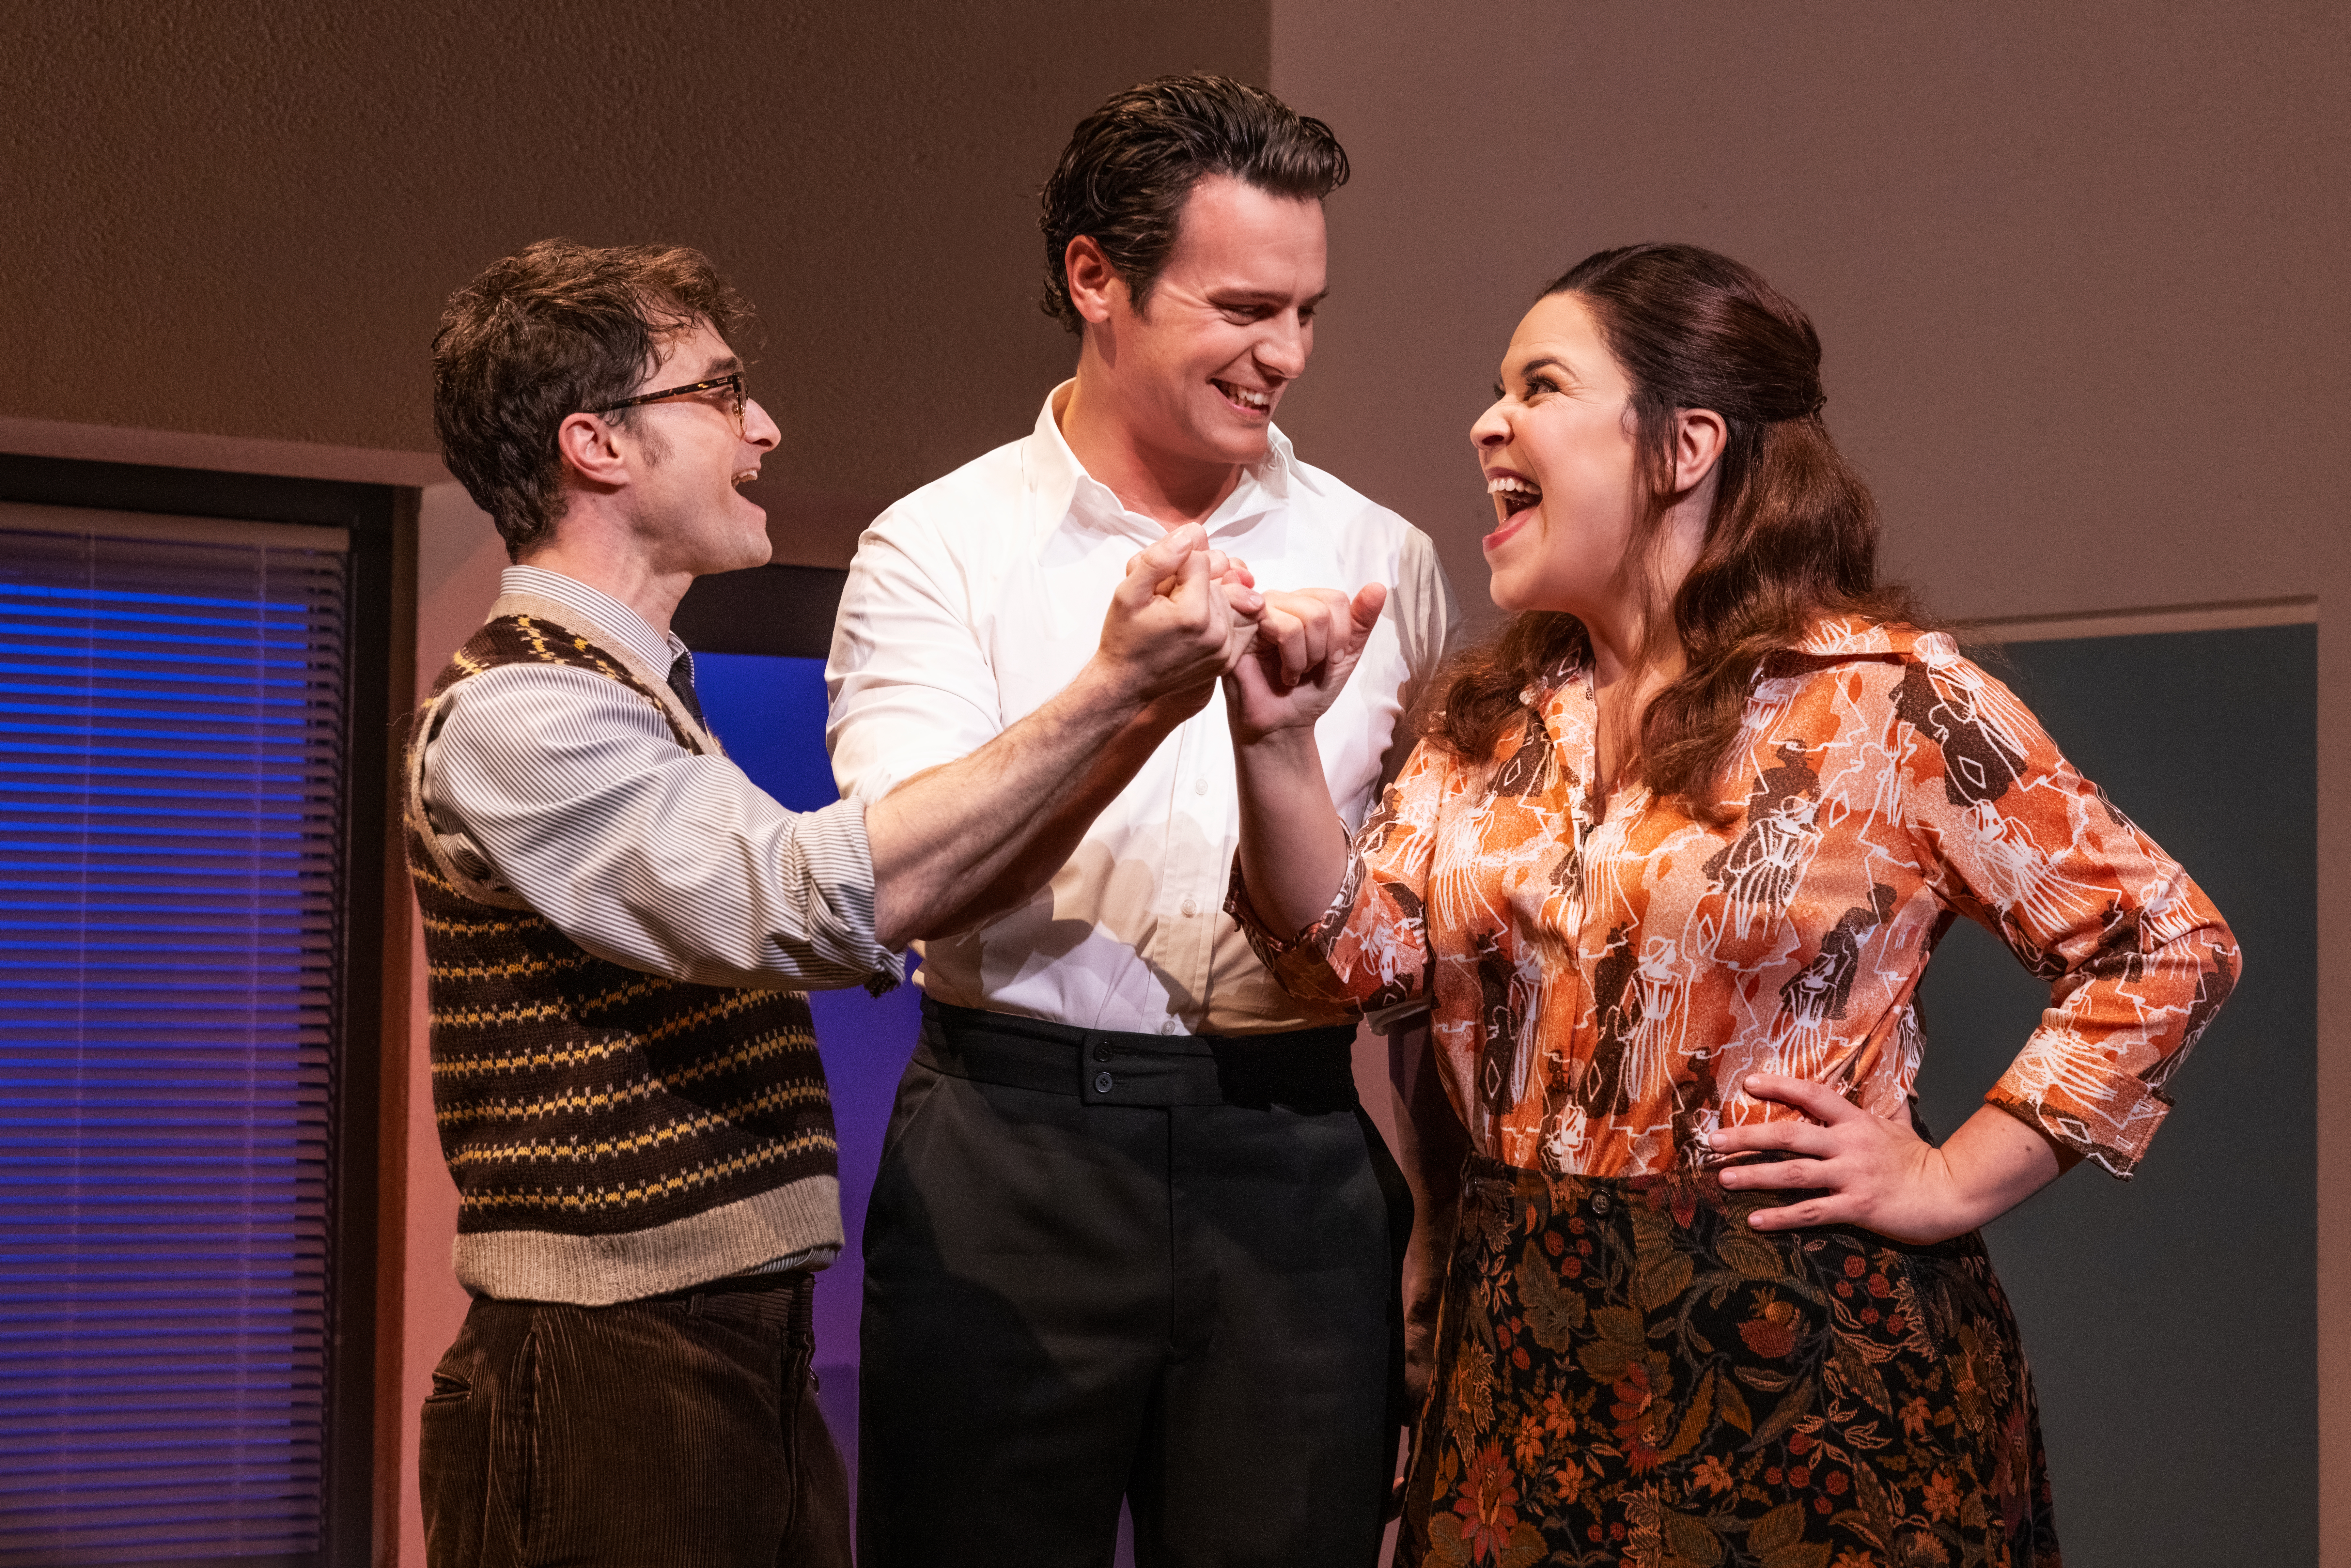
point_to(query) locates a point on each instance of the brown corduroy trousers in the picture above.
(682, 1431)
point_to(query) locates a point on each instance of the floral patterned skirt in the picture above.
(1627, 1372)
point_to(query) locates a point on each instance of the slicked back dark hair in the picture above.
(1130, 165)
(550, 330)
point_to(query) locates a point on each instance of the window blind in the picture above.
(171, 730)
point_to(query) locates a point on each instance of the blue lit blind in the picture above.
(170, 731)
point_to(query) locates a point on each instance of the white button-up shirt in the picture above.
(979, 596)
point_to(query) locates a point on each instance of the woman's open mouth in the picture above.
(1516, 495)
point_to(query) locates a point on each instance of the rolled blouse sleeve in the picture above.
(2011, 835)
(1370, 948)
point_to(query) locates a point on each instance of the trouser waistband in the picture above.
(1309, 1070)
(800, 1283)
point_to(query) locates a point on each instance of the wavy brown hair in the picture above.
(543, 333)
(1793, 535)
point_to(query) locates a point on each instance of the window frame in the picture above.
(359, 1475)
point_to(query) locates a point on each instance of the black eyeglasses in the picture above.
(733, 382)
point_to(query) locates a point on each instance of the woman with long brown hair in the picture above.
(1667, 866)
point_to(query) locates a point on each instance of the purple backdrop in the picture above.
(770, 713)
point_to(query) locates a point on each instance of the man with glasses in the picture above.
(618, 922)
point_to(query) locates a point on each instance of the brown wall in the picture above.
(241, 217)
(2081, 272)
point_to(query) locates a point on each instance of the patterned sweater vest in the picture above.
(613, 1134)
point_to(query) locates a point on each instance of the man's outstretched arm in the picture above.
(962, 841)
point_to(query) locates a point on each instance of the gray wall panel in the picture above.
(2170, 1320)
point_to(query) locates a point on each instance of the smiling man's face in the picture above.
(696, 457)
(1198, 371)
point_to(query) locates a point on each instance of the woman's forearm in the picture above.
(1994, 1162)
(1875, 1171)
(1293, 846)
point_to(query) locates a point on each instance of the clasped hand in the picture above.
(1185, 614)
(1182, 616)
(1306, 644)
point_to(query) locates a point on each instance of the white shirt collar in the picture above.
(1063, 487)
(604, 613)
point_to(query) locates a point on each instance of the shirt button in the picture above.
(1101, 1083)
(1167, 1025)
(1101, 1052)
(1191, 907)
(1199, 786)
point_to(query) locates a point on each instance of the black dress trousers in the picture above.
(1102, 1265)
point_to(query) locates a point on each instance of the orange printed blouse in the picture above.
(1601, 983)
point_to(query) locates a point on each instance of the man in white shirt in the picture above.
(618, 922)
(1132, 1235)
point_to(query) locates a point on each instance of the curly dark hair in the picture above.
(1130, 165)
(554, 329)
(1792, 536)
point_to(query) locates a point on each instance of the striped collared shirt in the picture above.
(566, 788)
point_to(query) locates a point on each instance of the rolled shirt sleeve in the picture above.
(566, 788)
